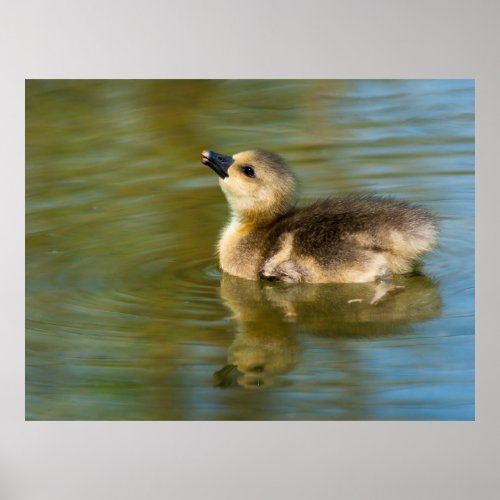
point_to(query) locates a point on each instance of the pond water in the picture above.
(127, 314)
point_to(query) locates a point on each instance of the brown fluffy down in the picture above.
(350, 238)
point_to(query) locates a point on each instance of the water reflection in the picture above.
(269, 317)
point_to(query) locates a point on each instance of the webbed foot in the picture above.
(385, 286)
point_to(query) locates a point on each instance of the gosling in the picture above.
(350, 239)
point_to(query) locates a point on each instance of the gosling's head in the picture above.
(258, 185)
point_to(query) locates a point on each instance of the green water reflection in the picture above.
(127, 315)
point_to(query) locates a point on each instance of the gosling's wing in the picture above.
(333, 226)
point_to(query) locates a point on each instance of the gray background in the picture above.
(242, 39)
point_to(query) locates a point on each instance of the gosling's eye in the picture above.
(248, 171)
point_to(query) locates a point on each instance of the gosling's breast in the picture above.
(241, 249)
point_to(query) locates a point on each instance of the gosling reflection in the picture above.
(270, 317)
(265, 346)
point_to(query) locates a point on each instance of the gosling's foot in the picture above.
(383, 288)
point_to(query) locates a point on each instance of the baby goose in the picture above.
(349, 239)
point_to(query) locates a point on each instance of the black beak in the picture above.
(219, 163)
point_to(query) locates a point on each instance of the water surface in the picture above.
(127, 314)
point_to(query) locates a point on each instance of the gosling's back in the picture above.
(347, 239)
